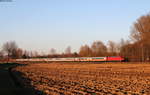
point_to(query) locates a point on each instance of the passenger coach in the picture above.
(76, 59)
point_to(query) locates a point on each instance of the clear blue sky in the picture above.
(43, 24)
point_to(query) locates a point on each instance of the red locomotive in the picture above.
(115, 58)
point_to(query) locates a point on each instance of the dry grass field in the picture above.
(87, 79)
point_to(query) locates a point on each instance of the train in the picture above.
(75, 59)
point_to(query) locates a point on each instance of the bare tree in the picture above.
(68, 50)
(140, 35)
(9, 48)
(85, 51)
(112, 48)
(134, 35)
(35, 54)
(98, 48)
(17, 53)
(141, 29)
(52, 51)
(1, 54)
(75, 54)
(25, 54)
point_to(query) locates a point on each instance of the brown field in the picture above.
(87, 79)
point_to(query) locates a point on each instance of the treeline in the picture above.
(98, 48)
(137, 48)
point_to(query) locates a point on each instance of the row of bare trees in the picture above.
(139, 47)
(135, 49)
(11, 50)
(98, 48)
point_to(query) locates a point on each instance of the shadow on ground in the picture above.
(9, 85)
